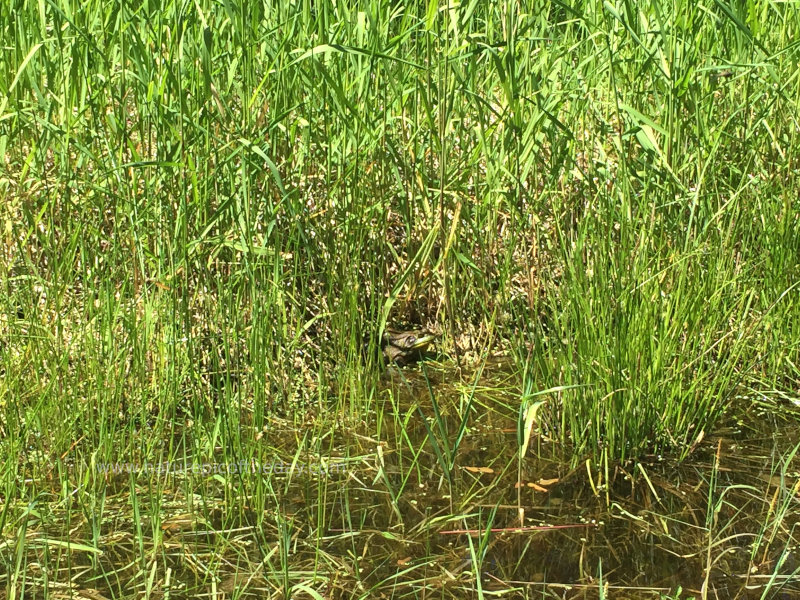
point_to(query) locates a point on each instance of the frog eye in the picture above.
(411, 340)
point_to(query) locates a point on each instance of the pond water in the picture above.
(403, 503)
(720, 523)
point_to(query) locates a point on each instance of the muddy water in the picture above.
(720, 523)
(405, 511)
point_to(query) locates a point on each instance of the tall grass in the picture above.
(207, 208)
(223, 199)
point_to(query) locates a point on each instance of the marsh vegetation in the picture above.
(213, 212)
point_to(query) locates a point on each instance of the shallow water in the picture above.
(721, 521)
(396, 515)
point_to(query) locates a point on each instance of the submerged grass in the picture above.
(210, 210)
